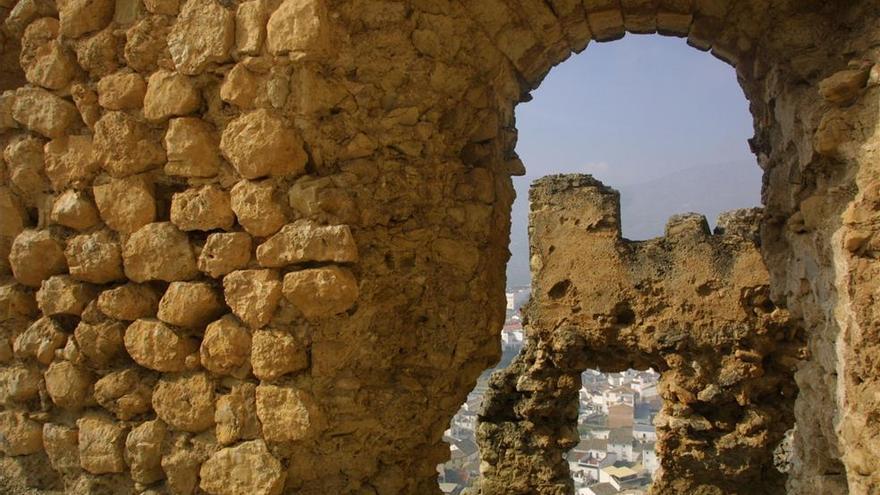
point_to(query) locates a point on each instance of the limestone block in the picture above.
(321, 292)
(287, 414)
(304, 241)
(196, 390)
(26, 161)
(226, 348)
(63, 295)
(181, 468)
(52, 66)
(162, 7)
(62, 447)
(122, 91)
(257, 208)
(159, 251)
(24, 12)
(44, 113)
(170, 94)
(94, 257)
(246, 469)
(126, 393)
(143, 451)
(19, 383)
(7, 99)
(203, 34)
(34, 39)
(275, 353)
(320, 198)
(278, 152)
(253, 295)
(250, 27)
(101, 445)
(126, 204)
(236, 414)
(79, 17)
(126, 145)
(97, 53)
(154, 345)
(205, 208)
(844, 87)
(193, 148)
(241, 87)
(190, 304)
(16, 301)
(19, 435)
(69, 386)
(35, 256)
(146, 42)
(71, 161)
(75, 210)
(299, 28)
(12, 215)
(129, 302)
(224, 253)
(40, 341)
(100, 343)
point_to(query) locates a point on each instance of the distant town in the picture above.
(616, 454)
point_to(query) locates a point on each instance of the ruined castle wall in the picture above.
(293, 215)
(691, 305)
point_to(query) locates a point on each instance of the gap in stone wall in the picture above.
(616, 427)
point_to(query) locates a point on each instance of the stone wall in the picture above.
(691, 305)
(329, 180)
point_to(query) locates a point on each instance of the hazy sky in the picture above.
(633, 113)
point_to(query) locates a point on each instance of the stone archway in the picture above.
(391, 121)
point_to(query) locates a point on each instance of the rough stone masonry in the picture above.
(272, 233)
(691, 305)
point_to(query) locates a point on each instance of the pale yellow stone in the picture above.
(246, 469)
(159, 251)
(226, 348)
(190, 304)
(154, 345)
(122, 91)
(126, 204)
(306, 241)
(170, 94)
(321, 292)
(224, 253)
(278, 152)
(204, 208)
(253, 295)
(193, 148)
(257, 208)
(101, 445)
(196, 390)
(203, 35)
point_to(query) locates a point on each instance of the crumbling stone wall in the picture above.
(691, 305)
(371, 141)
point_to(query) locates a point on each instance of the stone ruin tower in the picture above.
(692, 305)
(273, 233)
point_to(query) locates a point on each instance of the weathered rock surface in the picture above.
(143, 451)
(305, 241)
(246, 468)
(95, 258)
(287, 414)
(100, 343)
(196, 390)
(193, 148)
(224, 253)
(126, 145)
(129, 302)
(63, 295)
(75, 210)
(69, 385)
(159, 251)
(170, 94)
(37, 255)
(203, 35)
(321, 292)
(236, 414)
(278, 152)
(226, 348)
(101, 445)
(275, 353)
(40, 340)
(190, 304)
(157, 346)
(126, 393)
(253, 295)
(19, 435)
(257, 208)
(206, 208)
(122, 91)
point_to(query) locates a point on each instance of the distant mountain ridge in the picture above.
(646, 206)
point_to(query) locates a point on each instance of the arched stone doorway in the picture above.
(405, 114)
